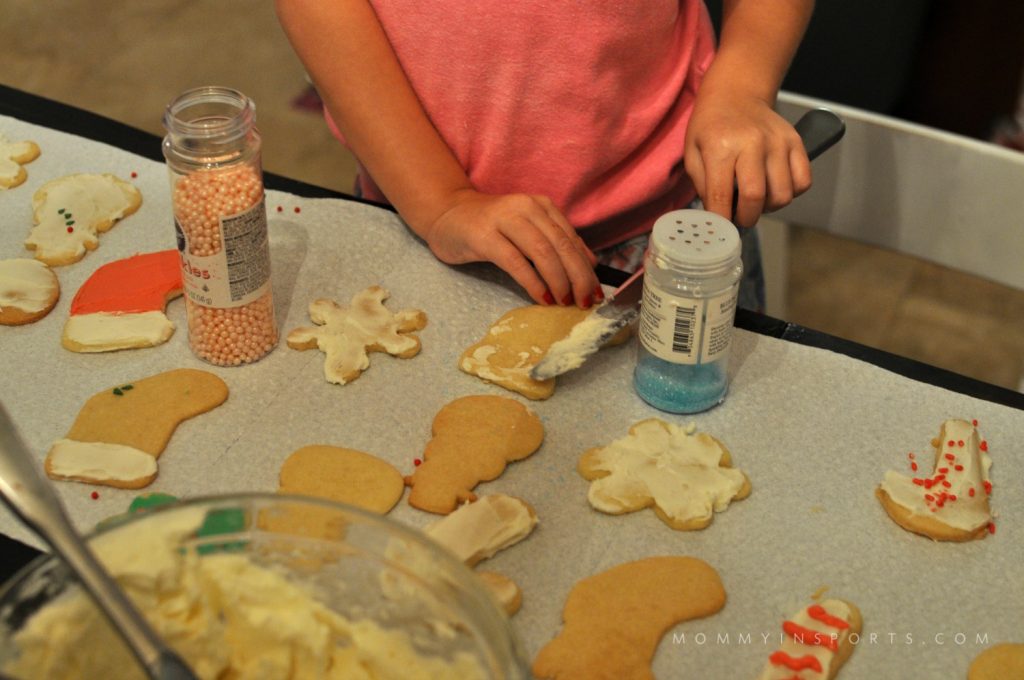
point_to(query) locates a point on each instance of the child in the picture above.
(532, 133)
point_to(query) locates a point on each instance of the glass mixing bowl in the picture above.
(361, 566)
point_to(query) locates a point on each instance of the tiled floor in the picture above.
(126, 60)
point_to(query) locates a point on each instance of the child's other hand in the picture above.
(526, 236)
(739, 142)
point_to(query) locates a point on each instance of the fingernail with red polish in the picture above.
(588, 302)
(599, 294)
(567, 300)
(548, 298)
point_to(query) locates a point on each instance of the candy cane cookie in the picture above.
(818, 641)
(952, 503)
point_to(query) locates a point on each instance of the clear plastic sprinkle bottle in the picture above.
(212, 150)
(691, 281)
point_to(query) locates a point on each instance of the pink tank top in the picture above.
(585, 102)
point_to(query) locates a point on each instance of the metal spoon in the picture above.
(31, 497)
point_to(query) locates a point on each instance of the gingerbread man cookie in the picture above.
(614, 620)
(951, 504)
(518, 341)
(474, 438)
(119, 433)
(686, 476)
(347, 335)
(13, 155)
(70, 212)
(818, 641)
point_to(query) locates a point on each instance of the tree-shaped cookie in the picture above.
(687, 476)
(348, 334)
(474, 438)
(13, 155)
(70, 212)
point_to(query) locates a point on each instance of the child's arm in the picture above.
(735, 137)
(346, 52)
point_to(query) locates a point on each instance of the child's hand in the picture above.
(737, 142)
(527, 236)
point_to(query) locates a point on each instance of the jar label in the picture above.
(686, 330)
(239, 272)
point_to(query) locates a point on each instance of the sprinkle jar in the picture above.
(212, 150)
(691, 281)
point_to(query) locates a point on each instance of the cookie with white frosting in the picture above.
(28, 291)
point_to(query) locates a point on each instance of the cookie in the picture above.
(613, 621)
(70, 212)
(13, 155)
(952, 503)
(347, 335)
(478, 530)
(28, 291)
(504, 590)
(817, 642)
(474, 438)
(517, 341)
(684, 475)
(342, 475)
(1000, 662)
(120, 433)
(121, 305)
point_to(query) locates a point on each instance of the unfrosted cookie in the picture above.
(28, 291)
(13, 155)
(817, 642)
(951, 503)
(517, 341)
(506, 591)
(120, 432)
(70, 212)
(613, 621)
(343, 475)
(1000, 662)
(347, 334)
(474, 438)
(685, 475)
(121, 305)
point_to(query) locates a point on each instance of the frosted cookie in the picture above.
(342, 475)
(518, 341)
(950, 504)
(686, 476)
(120, 433)
(613, 621)
(70, 212)
(505, 590)
(347, 335)
(474, 438)
(817, 642)
(13, 155)
(28, 291)
(1000, 662)
(478, 530)
(121, 305)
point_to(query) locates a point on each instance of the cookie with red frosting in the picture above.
(121, 306)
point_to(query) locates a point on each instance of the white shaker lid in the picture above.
(696, 238)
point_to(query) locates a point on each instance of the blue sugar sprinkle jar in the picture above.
(691, 280)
